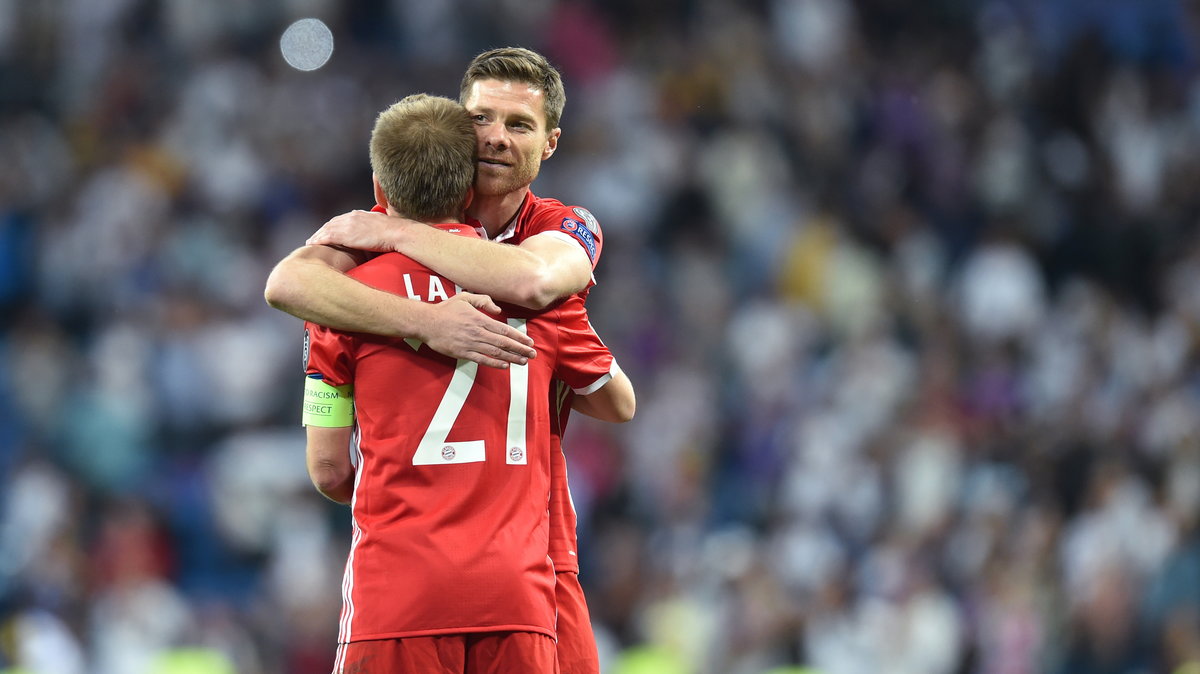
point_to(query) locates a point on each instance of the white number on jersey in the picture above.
(434, 449)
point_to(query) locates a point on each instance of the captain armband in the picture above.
(327, 406)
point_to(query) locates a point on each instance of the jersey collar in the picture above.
(511, 230)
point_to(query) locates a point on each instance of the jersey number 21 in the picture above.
(435, 450)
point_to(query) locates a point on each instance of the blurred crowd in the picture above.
(910, 292)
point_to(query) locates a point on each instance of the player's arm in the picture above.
(311, 284)
(327, 455)
(328, 419)
(614, 401)
(534, 274)
(602, 390)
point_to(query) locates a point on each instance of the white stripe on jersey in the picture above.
(599, 383)
(347, 618)
(339, 663)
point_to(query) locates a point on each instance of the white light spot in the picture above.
(307, 44)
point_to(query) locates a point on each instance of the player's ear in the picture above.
(551, 143)
(380, 197)
(469, 198)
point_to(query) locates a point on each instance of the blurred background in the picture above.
(910, 292)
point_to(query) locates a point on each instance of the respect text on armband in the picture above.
(325, 405)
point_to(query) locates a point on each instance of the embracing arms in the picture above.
(613, 402)
(311, 284)
(533, 274)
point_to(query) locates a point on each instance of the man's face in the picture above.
(510, 123)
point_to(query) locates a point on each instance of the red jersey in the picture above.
(538, 215)
(452, 485)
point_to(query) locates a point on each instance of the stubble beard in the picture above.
(519, 177)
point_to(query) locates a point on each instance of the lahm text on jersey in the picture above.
(434, 288)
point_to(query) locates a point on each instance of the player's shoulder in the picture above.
(546, 207)
(553, 217)
(379, 261)
(467, 229)
(382, 268)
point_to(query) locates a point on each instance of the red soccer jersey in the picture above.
(452, 486)
(538, 216)
(563, 519)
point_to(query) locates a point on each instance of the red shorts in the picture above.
(576, 643)
(477, 653)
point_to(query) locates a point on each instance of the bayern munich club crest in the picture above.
(515, 454)
(448, 453)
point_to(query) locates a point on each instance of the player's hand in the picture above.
(460, 330)
(360, 230)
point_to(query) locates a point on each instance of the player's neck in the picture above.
(496, 212)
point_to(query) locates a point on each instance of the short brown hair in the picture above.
(423, 154)
(517, 64)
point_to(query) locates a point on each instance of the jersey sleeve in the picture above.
(584, 362)
(570, 223)
(328, 354)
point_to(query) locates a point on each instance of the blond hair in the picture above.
(423, 154)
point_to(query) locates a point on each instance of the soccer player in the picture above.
(447, 570)
(515, 98)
